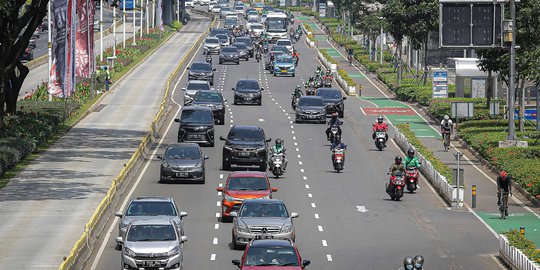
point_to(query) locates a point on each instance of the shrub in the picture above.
(345, 76)
(176, 25)
(525, 245)
(327, 56)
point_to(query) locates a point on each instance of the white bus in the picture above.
(276, 25)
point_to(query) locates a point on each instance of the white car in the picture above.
(240, 10)
(204, 2)
(189, 3)
(215, 10)
(253, 15)
(231, 16)
(257, 29)
(263, 18)
(285, 42)
(251, 22)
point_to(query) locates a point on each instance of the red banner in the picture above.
(70, 48)
(82, 45)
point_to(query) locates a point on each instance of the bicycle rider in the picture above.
(350, 52)
(504, 184)
(447, 127)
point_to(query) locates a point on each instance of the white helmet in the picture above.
(446, 117)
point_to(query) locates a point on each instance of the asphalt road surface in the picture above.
(330, 231)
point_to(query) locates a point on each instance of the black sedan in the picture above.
(333, 100)
(248, 42)
(229, 54)
(196, 125)
(310, 108)
(201, 71)
(243, 51)
(247, 91)
(214, 100)
(182, 162)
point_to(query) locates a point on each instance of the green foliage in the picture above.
(345, 76)
(439, 107)
(308, 28)
(176, 25)
(327, 56)
(425, 152)
(525, 245)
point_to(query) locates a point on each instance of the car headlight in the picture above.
(291, 68)
(286, 229)
(128, 252)
(173, 251)
(218, 107)
(198, 166)
(242, 228)
(210, 130)
(226, 147)
(165, 164)
(228, 198)
(260, 149)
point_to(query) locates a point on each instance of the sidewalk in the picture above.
(522, 213)
(45, 207)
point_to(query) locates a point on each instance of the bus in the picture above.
(276, 25)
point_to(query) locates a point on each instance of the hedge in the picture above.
(522, 163)
(308, 28)
(345, 76)
(525, 245)
(425, 152)
(329, 58)
(439, 107)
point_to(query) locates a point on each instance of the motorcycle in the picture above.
(310, 91)
(258, 56)
(296, 59)
(294, 102)
(276, 163)
(396, 186)
(209, 59)
(296, 36)
(265, 48)
(335, 134)
(328, 81)
(339, 159)
(411, 179)
(380, 138)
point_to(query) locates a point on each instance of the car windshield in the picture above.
(207, 96)
(222, 37)
(231, 21)
(310, 102)
(225, 9)
(246, 135)
(271, 255)
(259, 5)
(247, 183)
(280, 49)
(201, 66)
(212, 40)
(150, 233)
(150, 209)
(246, 41)
(252, 20)
(229, 49)
(283, 43)
(183, 152)
(247, 85)
(286, 60)
(198, 86)
(240, 46)
(253, 12)
(239, 8)
(196, 116)
(329, 94)
(256, 209)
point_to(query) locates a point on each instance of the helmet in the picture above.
(446, 117)
(297, 86)
(408, 263)
(503, 174)
(334, 115)
(380, 119)
(418, 262)
(279, 141)
(410, 153)
(311, 78)
(398, 159)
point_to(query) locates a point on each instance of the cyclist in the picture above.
(504, 183)
(350, 52)
(446, 125)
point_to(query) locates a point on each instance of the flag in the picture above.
(82, 46)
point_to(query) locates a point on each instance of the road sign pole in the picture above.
(458, 185)
(134, 24)
(49, 43)
(114, 30)
(512, 86)
(124, 22)
(538, 106)
(101, 30)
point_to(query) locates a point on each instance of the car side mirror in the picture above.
(214, 69)
(306, 263)
(159, 157)
(177, 120)
(344, 98)
(236, 262)
(224, 100)
(183, 239)
(274, 189)
(221, 189)
(206, 157)
(262, 89)
(183, 214)
(119, 214)
(188, 68)
(119, 240)
(269, 140)
(233, 214)
(183, 89)
(294, 215)
(233, 88)
(221, 138)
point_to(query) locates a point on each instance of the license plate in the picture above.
(182, 174)
(311, 116)
(243, 154)
(266, 236)
(195, 136)
(283, 70)
(151, 263)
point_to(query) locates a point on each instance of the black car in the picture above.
(216, 31)
(247, 91)
(245, 145)
(214, 100)
(182, 161)
(333, 100)
(196, 125)
(310, 108)
(229, 54)
(201, 71)
(248, 42)
(243, 51)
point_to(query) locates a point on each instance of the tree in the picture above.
(395, 16)
(18, 21)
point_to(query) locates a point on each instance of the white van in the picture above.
(189, 3)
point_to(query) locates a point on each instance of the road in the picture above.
(46, 206)
(330, 231)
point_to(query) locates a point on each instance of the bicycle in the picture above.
(503, 208)
(446, 140)
(350, 59)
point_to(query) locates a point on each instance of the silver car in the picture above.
(152, 244)
(267, 218)
(193, 87)
(146, 207)
(212, 45)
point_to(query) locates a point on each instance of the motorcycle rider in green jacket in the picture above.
(277, 149)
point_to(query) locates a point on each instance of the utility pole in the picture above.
(114, 30)
(134, 25)
(154, 14)
(101, 30)
(178, 10)
(124, 21)
(382, 45)
(512, 86)
(537, 106)
(141, 21)
(147, 19)
(49, 43)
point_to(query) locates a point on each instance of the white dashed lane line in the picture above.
(320, 228)
(218, 215)
(329, 257)
(213, 257)
(316, 216)
(307, 186)
(215, 242)
(313, 205)
(324, 243)
(216, 226)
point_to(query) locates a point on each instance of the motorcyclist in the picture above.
(408, 264)
(318, 72)
(338, 144)
(209, 57)
(411, 160)
(310, 83)
(397, 166)
(418, 262)
(380, 126)
(297, 92)
(277, 149)
(504, 183)
(296, 56)
(447, 125)
(334, 121)
(299, 28)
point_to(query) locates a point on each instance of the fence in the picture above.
(514, 257)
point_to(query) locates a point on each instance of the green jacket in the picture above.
(411, 162)
(278, 149)
(297, 93)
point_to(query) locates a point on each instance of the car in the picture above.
(246, 41)
(204, 2)
(223, 5)
(243, 51)
(216, 31)
(201, 71)
(212, 45)
(229, 54)
(189, 3)
(214, 100)
(148, 207)
(240, 9)
(247, 91)
(224, 11)
(263, 18)
(230, 23)
(251, 21)
(259, 7)
(262, 216)
(310, 108)
(152, 244)
(284, 65)
(287, 43)
(333, 100)
(278, 48)
(224, 40)
(231, 16)
(215, 9)
(192, 87)
(271, 254)
(257, 29)
(252, 14)
(183, 162)
(196, 125)
(249, 10)
(245, 145)
(241, 186)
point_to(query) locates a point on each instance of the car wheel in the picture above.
(263, 167)
(296, 120)
(235, 102)
(341, 114)
(220, 62)
(294, 74)
(275, 74)
(222, 120)
(234, 244)
(226, 166)
(238, 62)
(211, 144)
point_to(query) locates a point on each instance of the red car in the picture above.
(241, 186)
(266, 254)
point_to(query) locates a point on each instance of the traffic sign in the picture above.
(388, 111)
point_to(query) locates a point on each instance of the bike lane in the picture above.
(521, 212)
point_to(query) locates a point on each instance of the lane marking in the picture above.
(313, 205)
(215, 242)
(320, 228)
(213, 257)
(316, 216)
(216, 226)
(220, 184)
(218, 215)
(300, 162)
(261, 120)
(219, 193)
(310, 195)
(307, 186)
(299, 156)
(361, 208)
(221, 177)
(324, 243)
(305, 178)
(218, 203)
(329, 257)
(301, 170)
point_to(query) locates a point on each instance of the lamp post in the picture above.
(49, 43)
(134, 25)
(101, 30)
(124, 22)
(141, 21)
(114, 30)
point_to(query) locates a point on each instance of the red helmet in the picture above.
(334, 115)
(504, 174)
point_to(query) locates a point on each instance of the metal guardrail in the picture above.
(514, 257)
(87, 240)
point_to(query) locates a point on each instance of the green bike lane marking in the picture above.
(514, 221)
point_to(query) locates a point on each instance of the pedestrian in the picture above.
(107, 79)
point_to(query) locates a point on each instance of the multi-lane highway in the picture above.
(331, 231)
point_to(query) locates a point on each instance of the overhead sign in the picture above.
(440, 83)
(388, 111)
(322, 10)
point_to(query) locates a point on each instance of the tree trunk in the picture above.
(521, 105)
(400, 66)
(13, 87)
(424, 76)
(2, 102)
(489, 89)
